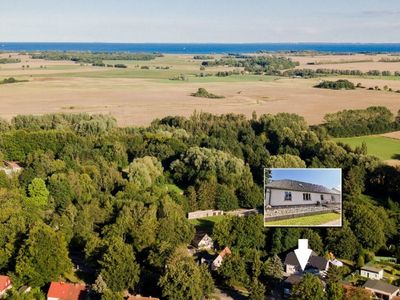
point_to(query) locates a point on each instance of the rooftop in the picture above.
(371, 269)
(198, 237)
(381, 286)
(5, 282)
(66, 291)
(314, 261)
(294, 185)
(225, 252)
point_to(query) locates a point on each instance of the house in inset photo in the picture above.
(303, 197)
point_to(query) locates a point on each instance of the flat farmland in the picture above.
(136, 96)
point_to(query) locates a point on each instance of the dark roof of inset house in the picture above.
(371, 269)
(294, 185)
(198, 238)
(314, 261)
(381, 286)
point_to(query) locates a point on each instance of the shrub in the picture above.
(203, 93)
(342, 84)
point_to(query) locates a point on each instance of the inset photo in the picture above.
(303, 197)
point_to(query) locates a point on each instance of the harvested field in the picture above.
(137, 96)
(362, 62)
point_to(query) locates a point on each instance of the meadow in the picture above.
(386, 148)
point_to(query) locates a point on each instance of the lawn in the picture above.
(306, 221)
(380, 146)
(206, 224)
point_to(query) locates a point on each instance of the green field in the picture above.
(306, 221)
(206, 224)
(380, 146)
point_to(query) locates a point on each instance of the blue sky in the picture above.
(200, 21)
(329, 178)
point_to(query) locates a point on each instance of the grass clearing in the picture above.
(383, 147)
(306, 221)
(206, 224)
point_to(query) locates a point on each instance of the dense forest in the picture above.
(310, 73)
(357, 122)
(269, 65)
(114, 201)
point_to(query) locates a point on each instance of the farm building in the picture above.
(371, 272)
(381, 289)
(286, 192)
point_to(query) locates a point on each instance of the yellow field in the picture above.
(136, 97)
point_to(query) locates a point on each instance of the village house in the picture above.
(202, 241)
(381, 289)
(372, 273)
(217, 262)
(11, 167)
(66, 291)
(316, 264)
(5, 285)
(286, 193)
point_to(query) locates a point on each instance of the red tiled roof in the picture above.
(66, 291)
(5, 282)
(224, 252)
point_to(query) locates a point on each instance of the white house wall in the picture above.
(278, 198)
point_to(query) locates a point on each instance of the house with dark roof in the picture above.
(67, 291)
(316, 264)
(371, 272)
(287, 192)
(202, 241)
(381, 289)
(5, 285)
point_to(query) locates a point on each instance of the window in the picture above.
(333, 198)
(306, 196)
(288, 196)
(322, 197)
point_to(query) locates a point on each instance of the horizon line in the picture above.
(216, 43)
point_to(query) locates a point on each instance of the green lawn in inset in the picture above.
(306, 221)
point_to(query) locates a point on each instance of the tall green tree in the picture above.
(257, 290)
(43, 257)
(273, 268)
(309, 288)
(119, 268)
(38, 193)
(183, 278)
